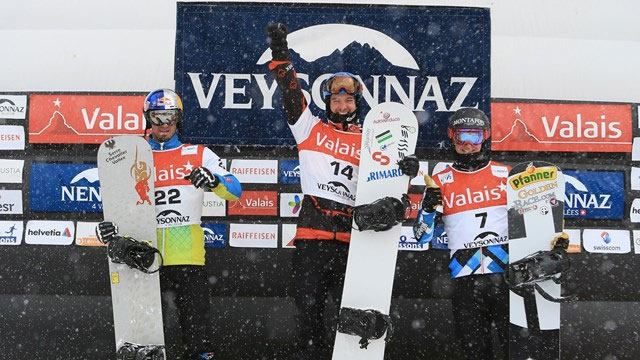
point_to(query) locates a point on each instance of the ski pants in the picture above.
(318, 272)
(480, 303)
(188, 287)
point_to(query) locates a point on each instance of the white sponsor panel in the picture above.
(255, 171)
(288, 235)
(636, 241)
(635, 151)
(290, 204)
(575, 240)
(212, 205)
(13, 107)
(606, 241)
(11, 137)
(10, 201)
(440, 166)
(49, 232)
(408, 242)
(634, 211)
(422, 171)
(635, 178)
(86, 234)
(11, 171)
(11, 232)
(253, 235)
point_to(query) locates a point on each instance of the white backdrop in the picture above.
(542, 49)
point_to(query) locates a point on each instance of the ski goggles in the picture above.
(468, 136)
(342, 83)
(162, 117)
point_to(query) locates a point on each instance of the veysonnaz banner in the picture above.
(437, 62)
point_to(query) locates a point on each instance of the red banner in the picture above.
(561, 127)
(255, 203)
(83, 119)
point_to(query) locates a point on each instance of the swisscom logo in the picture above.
(64, 188)
(395, 63)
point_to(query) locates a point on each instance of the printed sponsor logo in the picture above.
(606, 241)
(11, 232)
(337, 188)
(594, 194)
(86, 234)
(380, 158)
(171, 217)
(11, 171)
(561, 127)
(385, 118)
(288, 235)
(253, 235)
(10, 201)
(384, 174)
(247, 94)
(336, 145)
(500, 171)
(11, 137)
(290, 204)
(64, 188)
(13, 107)
(215, 235)
(85, 119)
(422, 171)
(533, 175)
(255, 203)
(485, 239)
(414, 205)
(474, 197)
(408, 242)
(446, 177)
(255, 171)
(289, 172)
(212, 205)
(49, 232)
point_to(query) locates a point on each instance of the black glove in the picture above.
(382, 214)
(409, 165)
(105, 231)
(431, 199)
(277, 39)
(203, 178)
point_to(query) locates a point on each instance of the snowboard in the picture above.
(389, 133)
(126, 172)
(535, 203)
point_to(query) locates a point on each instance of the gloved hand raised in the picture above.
(277, 39)
(432, 197)
(203, 178)
(409, 165)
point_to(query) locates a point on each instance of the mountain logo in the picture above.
(91, 175)
(331, 37)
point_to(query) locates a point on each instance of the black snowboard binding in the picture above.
(367, 324)
(540, 266)
(136, 254)
(129, 351)
(380, 215)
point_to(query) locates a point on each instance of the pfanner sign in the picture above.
(435, 66)
(561, 127)
(64, 188)
(84, 119)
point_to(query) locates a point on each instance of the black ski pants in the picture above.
(187, 288)
(480, 304)
(318, 272)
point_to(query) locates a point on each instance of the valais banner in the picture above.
(432, 59)
(561, 127)
(83, 119)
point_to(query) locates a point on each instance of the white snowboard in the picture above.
(126, 172)
(535, 209)
(389, 133)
